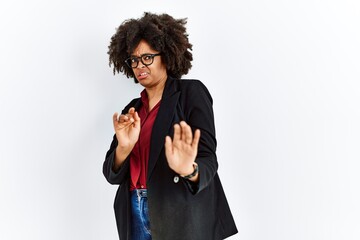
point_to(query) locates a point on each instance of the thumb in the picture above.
(196, 139)
(168, 146)
(137, 122)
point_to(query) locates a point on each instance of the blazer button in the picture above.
(176, 179)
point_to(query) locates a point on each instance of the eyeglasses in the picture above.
(146, 59)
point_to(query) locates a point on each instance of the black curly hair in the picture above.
(163, 33)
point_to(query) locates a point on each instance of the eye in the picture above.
(134, 60)
(147, 57)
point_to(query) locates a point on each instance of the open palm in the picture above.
(182, 150)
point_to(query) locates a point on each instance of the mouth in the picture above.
(142, 75)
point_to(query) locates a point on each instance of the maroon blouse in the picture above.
(139, 157)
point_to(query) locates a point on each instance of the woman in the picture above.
(168, 187)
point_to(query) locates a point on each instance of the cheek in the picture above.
(162, 67)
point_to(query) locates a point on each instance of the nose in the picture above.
(140, 65)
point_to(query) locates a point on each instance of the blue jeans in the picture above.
(140, 225)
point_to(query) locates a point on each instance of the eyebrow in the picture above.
(142, 54)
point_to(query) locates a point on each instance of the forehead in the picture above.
(142, 47)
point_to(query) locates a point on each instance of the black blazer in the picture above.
(178, 209)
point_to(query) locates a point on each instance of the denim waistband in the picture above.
(140, 192)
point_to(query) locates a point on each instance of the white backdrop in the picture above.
(284, 76)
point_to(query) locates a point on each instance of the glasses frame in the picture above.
(128, 63)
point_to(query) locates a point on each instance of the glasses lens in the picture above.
(133, 62)
(129, 62)
(147, 59)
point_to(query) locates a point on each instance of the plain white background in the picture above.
(284, 76)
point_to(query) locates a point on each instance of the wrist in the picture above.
(121, 153)
(120, 156)
(193, 173)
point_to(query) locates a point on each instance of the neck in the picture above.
(155, 92)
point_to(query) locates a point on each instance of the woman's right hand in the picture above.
(127, 130)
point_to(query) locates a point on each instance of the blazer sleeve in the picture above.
(124, 172)
(198, 113)
(111, 176)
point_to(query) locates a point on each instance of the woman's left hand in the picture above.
(182, 150)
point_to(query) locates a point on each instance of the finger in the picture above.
(115, 117)
(119, 118)
(182, 125)
(115, 121)
(131, 114)
(120, 121)
(186, 133)
(137, 120)
(136, 116)
(196, 139)
(131, 110)
(168, 146)
(123, 118)
(177, 132)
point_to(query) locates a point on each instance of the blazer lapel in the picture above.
(162, 122)
(138, 104)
